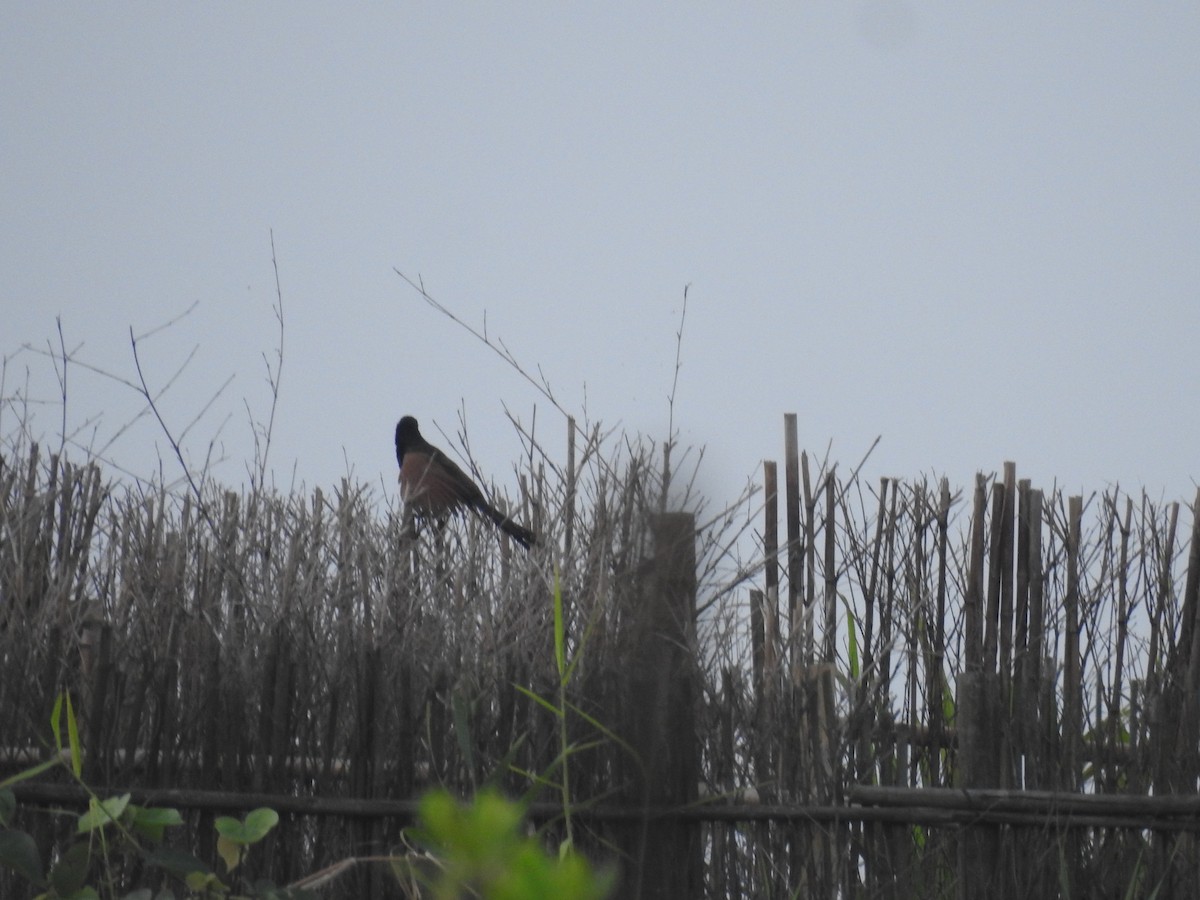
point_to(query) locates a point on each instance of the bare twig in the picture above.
(152, 404)
(62, 383)
(669, 445)
(262, 436)
(541, 384)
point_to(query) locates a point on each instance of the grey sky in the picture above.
(972, 229)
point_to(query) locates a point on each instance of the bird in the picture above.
(434, 486)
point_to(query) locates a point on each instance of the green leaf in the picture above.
(70, 872)
(101, 813)
(235, 836)
(56, 721)
(20, 853)
(228, 826)
(261, 821)
(483, 851)
(251, 829)
(153, 820)
(31, 772)
(230, 851)
(73, 738)
(536, 698)
(56, 714)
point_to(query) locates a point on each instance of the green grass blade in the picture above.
(560, 641)
(73, 740)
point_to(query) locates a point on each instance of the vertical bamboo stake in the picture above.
(921, 615)
(758, 642)
(826, 847)
(1163, 586)
(1072, 686)
(973, 602)
(977, 848)
(723, 868)
(1022, 694)
(831, 575)
(1189, 727)
(1166, 732)
(1072, 719)
(1007, 559)
(991, 637)
(1036, 761)
(1007, 526)
(795, 543)
(1114, 700)
(661, 726)
(871, 595)
(810, 556)
(887, 603)
(819, 696)
(771, 558)
(1004, 698)
(936, 679)
(99, 647)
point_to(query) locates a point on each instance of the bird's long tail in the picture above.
(518, 533)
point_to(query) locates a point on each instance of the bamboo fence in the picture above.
(909, 692)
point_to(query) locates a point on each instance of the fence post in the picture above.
(662, 856)
(975, 709)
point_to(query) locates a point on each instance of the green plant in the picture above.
(565, 669)
(479, 849)
(113, 829)
(476, 849)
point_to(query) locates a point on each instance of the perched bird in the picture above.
(433, 486)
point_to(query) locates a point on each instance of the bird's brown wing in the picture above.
(432, 483)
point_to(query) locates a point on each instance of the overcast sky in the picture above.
(972, 229)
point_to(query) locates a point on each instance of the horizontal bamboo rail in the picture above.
(927, 806)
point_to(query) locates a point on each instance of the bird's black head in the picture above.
(407, 433)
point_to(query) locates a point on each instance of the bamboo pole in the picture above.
(1034, 754)
(1072, 663)
(1003, 698)
(831, 569)
(973, 601)
(795, 542)
(871, 600)
(660, 665)
(936, 676)
(995, 572)
(1117, 693)
(771, 571)
(1189, 726)
(1021, 687)
(810, 556)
